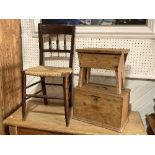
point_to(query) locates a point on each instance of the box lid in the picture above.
(94, 88)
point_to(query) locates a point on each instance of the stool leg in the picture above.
(23, 96)
(66, 98)
(44, 89)
(85, 75)
(118, 81)
(123, 79)
(88, 70)
(81, 74)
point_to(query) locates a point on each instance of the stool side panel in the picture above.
(100, 61)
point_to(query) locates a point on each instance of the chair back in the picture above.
(56, 39)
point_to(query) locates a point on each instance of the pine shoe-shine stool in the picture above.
(102, 58)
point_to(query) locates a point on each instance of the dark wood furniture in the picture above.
(150, 121)
(102, 58)
(60, 39)
(10, 68)
(50, 120)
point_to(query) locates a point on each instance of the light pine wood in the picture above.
(10, 67)
(84, 76)
(50, 118)
(13, 130)
(88, 72)
(81, 76)
(99, 61)
(103, 58)
(103, 50)
(28, 131)
(1, 101)
(96, 104)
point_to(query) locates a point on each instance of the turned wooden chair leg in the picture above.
(66, 98)
(23, 95)
(43, 86)
(70, 90)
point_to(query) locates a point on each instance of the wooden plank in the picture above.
(28, 131)
(103, 50)
(100, 88)
(11, 60)
(100, 61)
(51, 118)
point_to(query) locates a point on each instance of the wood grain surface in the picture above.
(97, 104)
(10, 66)
(51, 118)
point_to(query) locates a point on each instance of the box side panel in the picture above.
(105, 110)
(125, 108)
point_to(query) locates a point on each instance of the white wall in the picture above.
(142, 91)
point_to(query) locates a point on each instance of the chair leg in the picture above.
(70, 90)
(66, 98)
(44, 89)
(23, 95)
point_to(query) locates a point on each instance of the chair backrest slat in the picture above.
(65, 42)
(57, 41)
(60, 39)
(50, 44)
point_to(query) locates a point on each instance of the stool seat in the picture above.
(48, 71)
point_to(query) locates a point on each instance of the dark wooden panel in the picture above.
(150, 120)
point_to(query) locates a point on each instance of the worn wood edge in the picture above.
(15, 120)
(33, 131)
(125, 108)
(126, 90)
(119, 130)
(8, 123)
(103, 50)
(13, 130)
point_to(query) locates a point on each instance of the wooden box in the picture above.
(101, 106)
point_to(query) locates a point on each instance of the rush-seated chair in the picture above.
(52, 35)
